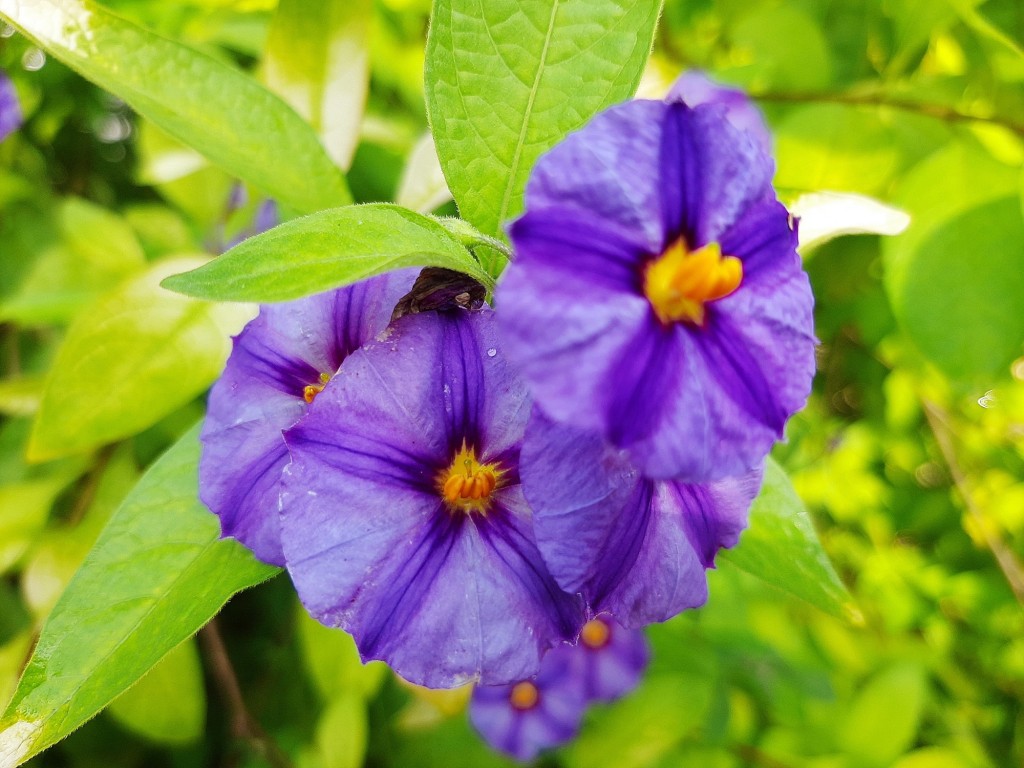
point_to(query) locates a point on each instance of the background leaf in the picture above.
(782, 548)
(158, 572)
(168, 705)
(954, 277)
(326, 250)
(317, 60)
(199, 100)
(136, 355)
(507, 80)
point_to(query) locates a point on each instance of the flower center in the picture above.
(310, 391)
(680, 281)
(524, 695)
(467, 484)
(595, 634)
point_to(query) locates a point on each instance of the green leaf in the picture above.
(168, 705)
(62, 548)
(782, 548)
(326, 250)
(134, 356)
(835, 147)
(341, 734)
(26, 507)
(158, 572)
(199, 100)
(317, 60)
(639, 730)
(954, 277)
(89, 251)
(884, 717)
(765, 34)
(333, 660)
(506, 81)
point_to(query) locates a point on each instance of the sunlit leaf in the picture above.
(199, 100)
(326, 250)
(134, 356)
(507, 80)
(782, 548)
(317, 60)
(423, 187)
(158, 572)
(825, 215)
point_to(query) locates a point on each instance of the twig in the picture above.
(938, 420)
(755, 756)
(90, 484)
(243, 726)
(937, 111)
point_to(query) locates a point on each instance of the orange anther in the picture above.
(467, 484)
(595, 634)
(524, 695)
(680, 282)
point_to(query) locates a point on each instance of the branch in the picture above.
(938, 420)
(937, 111)
(243, 726)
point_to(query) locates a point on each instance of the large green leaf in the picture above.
(203, 102)
(954, 277)
(131, 358)
(508, 79)
(317, 60)
(326, 250)
(158, 572)
(782, 548)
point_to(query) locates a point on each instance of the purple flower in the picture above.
(693, 87)
(403, 520)
(609, 659)
(280, 362)
(635, 548)
(531, 715)
(10, 110)
(523, 718)
(657, 296)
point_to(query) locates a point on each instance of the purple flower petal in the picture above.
(606, 178)
(275, 357)
(694, 400)
(634, 547)
(10, 110)
(693, 87)
(444, 595)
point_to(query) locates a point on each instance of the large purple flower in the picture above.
(635, 548)
(657, 296)
(531, 715)
(403, 520)
(10, 110)
(279, 363)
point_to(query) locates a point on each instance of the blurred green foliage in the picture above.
(910, 455)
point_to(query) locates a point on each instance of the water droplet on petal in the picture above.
(492, 352)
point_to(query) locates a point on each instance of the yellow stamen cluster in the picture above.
(312, 390)
(467, 484)
(595, 634)
(680, 281)
(524, 695)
